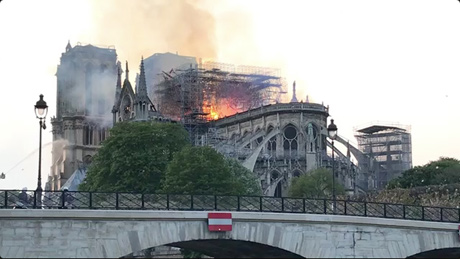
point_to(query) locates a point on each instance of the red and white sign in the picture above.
(219, 221)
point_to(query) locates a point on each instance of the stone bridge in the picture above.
(118, 233)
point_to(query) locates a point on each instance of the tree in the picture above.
(134, 157)
(202, 170)
(442, 171)
(315, 184)
(244, 178)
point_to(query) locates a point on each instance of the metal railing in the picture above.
(147, 201)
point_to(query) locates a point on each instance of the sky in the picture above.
(370, 61)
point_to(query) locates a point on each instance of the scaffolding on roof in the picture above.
(209, 91)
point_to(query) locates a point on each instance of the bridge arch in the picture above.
(451, 252)
(230, 248)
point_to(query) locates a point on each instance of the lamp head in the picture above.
(41, 109)
(332, 130)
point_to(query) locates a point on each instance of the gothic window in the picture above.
(271, 145)
(102, 134)
(274, 176)
(88, 88)
(296, 173)
(87, 135)
(126, 108)
(278, 191)
(290, 141)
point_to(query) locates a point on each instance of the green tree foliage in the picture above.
(202, 170)
(315, 184)
(247, 181)
(190, 254)
(134, 157)
(443, 171)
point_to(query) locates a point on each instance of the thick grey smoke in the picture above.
(143, 27)
(85, 93)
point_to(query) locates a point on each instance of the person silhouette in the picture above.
(24, 198)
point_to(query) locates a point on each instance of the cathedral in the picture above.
(277, 141)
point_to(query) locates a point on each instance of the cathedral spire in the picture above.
(142, 87)
(127, 72)
(68, 47)
(118, 87)
(294, 98)
(117, 90)
(141, 91)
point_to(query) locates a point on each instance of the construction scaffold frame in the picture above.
(389, 148)
(209, 91)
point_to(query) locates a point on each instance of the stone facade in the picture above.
(278, 142)
(85, 95)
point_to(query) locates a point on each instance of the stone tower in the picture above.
(86, 77)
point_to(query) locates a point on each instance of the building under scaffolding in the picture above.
(389, 150)
(209, 91)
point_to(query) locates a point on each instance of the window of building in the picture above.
(290, 141)
(102, 134)
(271, 145)
(87, 135)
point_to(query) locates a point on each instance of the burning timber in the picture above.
(210, 91)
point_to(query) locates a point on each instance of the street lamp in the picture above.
(332, 132)
(41, 109)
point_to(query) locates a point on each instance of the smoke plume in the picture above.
(143, 27)
(77, 98)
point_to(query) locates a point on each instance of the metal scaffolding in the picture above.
(389, 148)
(209, 91)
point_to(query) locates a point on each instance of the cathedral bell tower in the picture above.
(85, 94)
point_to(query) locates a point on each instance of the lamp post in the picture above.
(332, 132)
(41, 109)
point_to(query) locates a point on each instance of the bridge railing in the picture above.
(146, 201)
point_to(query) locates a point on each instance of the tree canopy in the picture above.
(134, 157)
(442, 171)
(202, 170)
(244, 178)
(315, 184)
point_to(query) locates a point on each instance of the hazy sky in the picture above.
(391, 61)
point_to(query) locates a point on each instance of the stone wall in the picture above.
(113, 234)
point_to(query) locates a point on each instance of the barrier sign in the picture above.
(219, 221)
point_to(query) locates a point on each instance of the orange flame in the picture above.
(216, 112)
